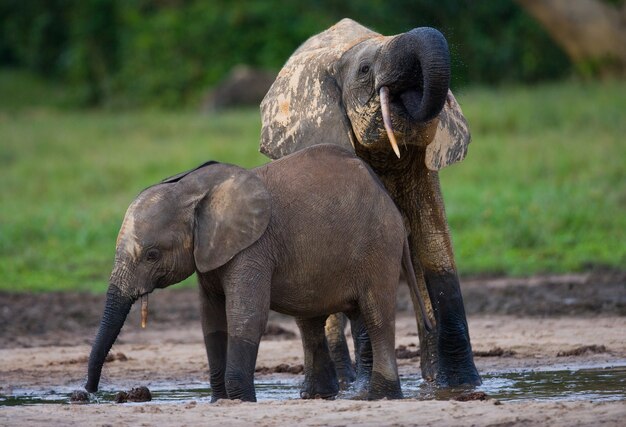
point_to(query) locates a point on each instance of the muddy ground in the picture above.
(536, 323)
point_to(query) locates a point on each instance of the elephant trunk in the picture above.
(424, 78)
(115, 311)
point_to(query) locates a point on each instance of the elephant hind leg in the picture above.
(320, 379)
(378, 311)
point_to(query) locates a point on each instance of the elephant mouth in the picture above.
(410, 101)
(403, 107)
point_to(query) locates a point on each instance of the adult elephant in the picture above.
(354, 87)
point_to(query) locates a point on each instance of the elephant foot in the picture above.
(319, 393)
(320, 388)
(307, 395)
(383, 388)
(456, 361)
(218, 396)
(458, 377)
(237, 392)
(218, 388)
(345, 376)
(448, 348)
(359, 389)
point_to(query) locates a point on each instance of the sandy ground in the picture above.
(53, 356)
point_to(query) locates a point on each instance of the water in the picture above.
(597, 384)
(278, 389)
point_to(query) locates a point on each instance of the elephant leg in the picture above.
(338, 346)
(431, 247)
(427, 339)
(378, 312)
(248, 302)
(214, 329)
(320, 377)
(362, 354)
(446, 353)
(239, 376)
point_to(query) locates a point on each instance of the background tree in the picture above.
(592, 32)
(168, 52)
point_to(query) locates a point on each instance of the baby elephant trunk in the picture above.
(115, 312)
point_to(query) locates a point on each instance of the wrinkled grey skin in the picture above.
(330, 90)
(311, 234)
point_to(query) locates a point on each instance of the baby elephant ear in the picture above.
(452, 138)
(231, 217)
(303, 106)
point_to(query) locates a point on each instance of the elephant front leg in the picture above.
(320, 380)
(447, 354)
(239, 376)
(214, 329)
(338, 346)
(247, 293)
(456, 363)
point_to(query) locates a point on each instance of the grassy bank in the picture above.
(543, 188)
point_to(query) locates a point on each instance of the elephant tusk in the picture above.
(384, 106)
(144, 310)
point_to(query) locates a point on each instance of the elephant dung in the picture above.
(79, 396)
(136, 394)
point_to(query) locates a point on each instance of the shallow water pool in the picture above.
(572, 384)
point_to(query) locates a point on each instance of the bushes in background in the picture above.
(166, 52)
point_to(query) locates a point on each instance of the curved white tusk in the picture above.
(144, 310)
(384, 106)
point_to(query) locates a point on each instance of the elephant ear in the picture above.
(451, 139)
(233, 214)
(303, 106)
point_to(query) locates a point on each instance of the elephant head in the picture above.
(197, 220)
(351, 86)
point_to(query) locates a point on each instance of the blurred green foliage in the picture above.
(167, 52)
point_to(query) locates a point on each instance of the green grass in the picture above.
(543, 188)
(68, 176)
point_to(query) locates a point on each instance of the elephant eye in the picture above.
(152, 255)
(364, 69)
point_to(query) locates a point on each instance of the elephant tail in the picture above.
(410, 278)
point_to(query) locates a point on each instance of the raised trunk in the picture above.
(115, 311)
(419, 72)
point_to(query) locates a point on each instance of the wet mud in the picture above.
(561, 366)
(69, 318)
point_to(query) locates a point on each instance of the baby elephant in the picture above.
(308, 235)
